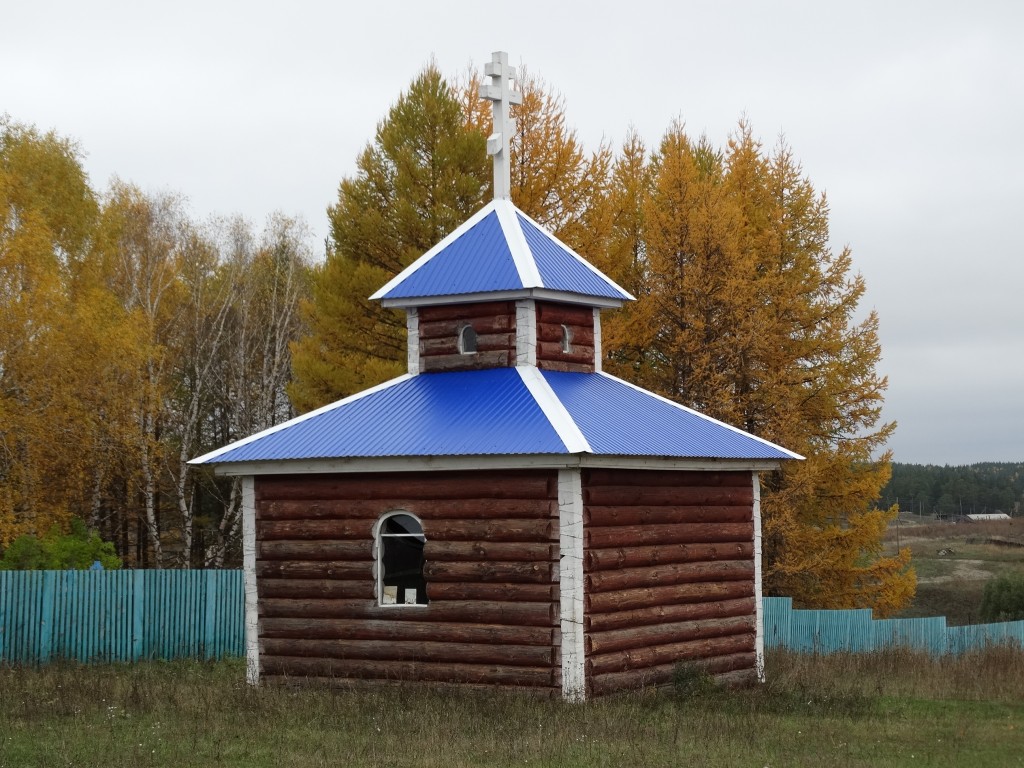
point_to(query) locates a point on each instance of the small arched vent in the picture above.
(566, 339)
(467, 340)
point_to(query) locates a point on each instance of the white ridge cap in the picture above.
(555, 412)
(543, 230)
(522, 257)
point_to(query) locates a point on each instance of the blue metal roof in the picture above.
(479, 261)
(499, 249)
(562, 269)
(620, 419)
(444, 414)
(500, 411)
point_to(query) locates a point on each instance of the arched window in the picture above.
(467, 340)
(400, 543)
(566, 339)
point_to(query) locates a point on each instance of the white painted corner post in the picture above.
(570, 526)
(598, 352)
(758, 598)
(526, 332)
(499, 92)
(252, 648)
(412, 327)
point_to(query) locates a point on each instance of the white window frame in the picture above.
(378, 556)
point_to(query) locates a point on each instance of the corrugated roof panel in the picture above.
(618, 419)
(476, 262)
(484, 412)
(562, 270)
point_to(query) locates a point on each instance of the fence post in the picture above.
(138, 588)
(47, 616)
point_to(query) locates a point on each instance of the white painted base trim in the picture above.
(758, 597)
(252, 648)
(571, 584)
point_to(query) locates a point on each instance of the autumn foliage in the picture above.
(131, 340)
(743, 310)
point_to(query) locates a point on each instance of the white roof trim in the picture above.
(454, 235)
(737, 430)
(522, 257)
(544, 294)
(461, 463)
(210, 457)
(554, 411)
(626, 294)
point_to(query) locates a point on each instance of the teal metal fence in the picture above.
(111, 616)
(120, 615)
(812, 631)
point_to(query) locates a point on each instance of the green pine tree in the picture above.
(425, 172)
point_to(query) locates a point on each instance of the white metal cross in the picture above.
(499, 92)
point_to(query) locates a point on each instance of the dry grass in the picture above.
(882, 709)
(952, 585)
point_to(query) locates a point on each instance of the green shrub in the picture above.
(1004, 599)
(58, 551)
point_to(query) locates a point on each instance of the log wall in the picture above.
(669, 575)
(495, 326)
(580, 322)
(491, 572)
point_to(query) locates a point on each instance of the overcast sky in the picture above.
(910, 115)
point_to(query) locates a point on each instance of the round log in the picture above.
(720, 668)
(475, 509)
(539, 484)
(440, 551)
(646, 515)
(316, 588)
(417, 650)
(666, 634)
(672, 478)
(628, 599)
(269, 530)
(315, 550)
(567, 314)
(466, 311)
(297, 666)
(665, 575)
(640, 658)
(666, 496)
(631, 557)
(322, 569)
(475, 573)
(667, 614)
(462, 590)
(681, 533)
(458, 611)
(382, 630)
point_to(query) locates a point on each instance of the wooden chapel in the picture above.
(505, 513)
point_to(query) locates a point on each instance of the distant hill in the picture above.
(975, 489)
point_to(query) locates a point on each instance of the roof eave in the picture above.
(542, 294)
(488, 463)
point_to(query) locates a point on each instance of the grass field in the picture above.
(891, 709)
(951, 584)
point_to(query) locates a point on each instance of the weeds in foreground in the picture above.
(893, 708)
